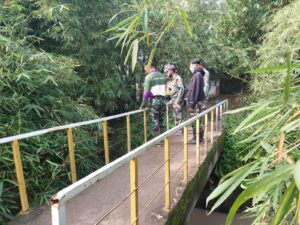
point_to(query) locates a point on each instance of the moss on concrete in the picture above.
(192, 192)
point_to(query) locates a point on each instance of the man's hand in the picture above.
(169, 102)
(142, 106)
(190, 109)
(178, 101)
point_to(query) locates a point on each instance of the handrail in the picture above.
(64, 127)
(17, 158)
(58, 200)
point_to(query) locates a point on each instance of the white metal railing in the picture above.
(58, 201)
(64, 127)
(14, 140)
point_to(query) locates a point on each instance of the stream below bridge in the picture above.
(200, 217)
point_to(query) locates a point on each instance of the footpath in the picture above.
(94, 203)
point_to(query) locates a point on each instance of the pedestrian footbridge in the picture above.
(156, 183)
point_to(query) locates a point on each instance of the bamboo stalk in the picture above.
(280, 154)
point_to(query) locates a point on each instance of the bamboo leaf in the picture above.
(1, 188)
(145, 22)
(128, 53)
(263, 184)
(135, 50)
(233, 173)
(269, 148)
(242, 109)
(285, 203)
(148, 39)
(122, 23)
(252, 115)
(268, 134)
(296, 217)
(273, 68)
(287, 79)
(115, 16)
(220, 189)
(230, 186)
(291, 126)
(260, 120)
(296, 174)
(186, 22)
(151, 57)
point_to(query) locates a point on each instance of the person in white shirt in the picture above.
(206, 85)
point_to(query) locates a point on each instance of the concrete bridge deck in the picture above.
(95, 202)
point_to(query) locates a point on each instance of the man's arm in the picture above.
(147, 91)
(193, 91)
(206, 82)
(181, 90)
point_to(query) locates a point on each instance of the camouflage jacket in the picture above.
(175, 88)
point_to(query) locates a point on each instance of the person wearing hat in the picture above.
(196, 95)
(154, 96)
(176, 92)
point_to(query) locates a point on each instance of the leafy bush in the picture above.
(234, 150)
(53, 73)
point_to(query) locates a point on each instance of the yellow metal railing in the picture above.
(167, 173)
(14, 140)
(62, 197)
(20, 176)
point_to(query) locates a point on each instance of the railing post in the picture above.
(145, 126)
(198, 141)
(105, 138)
(167, 173)
(58, 214)
(134, 191)
(221, 110)
(217, 119)
(221, 117)
(20, 176)
(206, 131)
(212, 126)
(167, 113)
(72, 155)
(128, 133)
(185, 155)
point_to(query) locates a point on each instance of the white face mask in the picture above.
(192, 68)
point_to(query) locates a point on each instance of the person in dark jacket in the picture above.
(196, 95)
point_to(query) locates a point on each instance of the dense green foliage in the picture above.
(225, 34)
(270, 175)
(53, 73)
(81, 36)
(63, 61)
(232, 155)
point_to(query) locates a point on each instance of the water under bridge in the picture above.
(158, 182)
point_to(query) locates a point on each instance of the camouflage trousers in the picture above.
(200, 107)
(177, 112)
(157, 113)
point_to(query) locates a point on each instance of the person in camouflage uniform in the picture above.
(154, 96)
(175, 90)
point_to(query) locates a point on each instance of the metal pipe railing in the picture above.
(14, 140)
(59, 200)
(65, 127)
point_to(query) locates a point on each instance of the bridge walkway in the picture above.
(107, 199)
